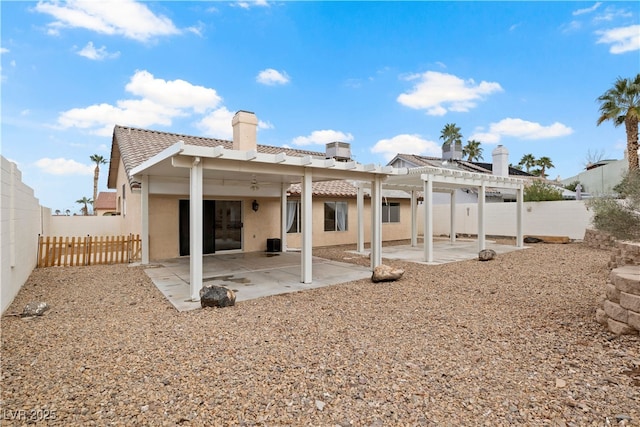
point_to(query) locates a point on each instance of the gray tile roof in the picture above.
(135, 146)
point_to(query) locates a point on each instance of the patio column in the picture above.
(144, 207)
(376, 222)
(283, 217)
(481, 197)
(452, 216)
(519, 213)
(428, 219)
(306, 274)
(360, 203)
(195, 228)
(414, 219)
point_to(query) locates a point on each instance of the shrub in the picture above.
(619, 217)
(572, 185)
(539, 191)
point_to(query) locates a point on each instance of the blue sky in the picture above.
(384, 76)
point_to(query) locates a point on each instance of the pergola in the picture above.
(198, 170)
(429, 179)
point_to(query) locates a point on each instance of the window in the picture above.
(390, 212)
(293, 216)
(335, 216)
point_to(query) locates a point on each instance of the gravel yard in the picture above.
(512, 341)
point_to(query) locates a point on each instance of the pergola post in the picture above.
(519, 213)
(414, 218)
(481, 231)
(144, 207)
(195, 228)
(307, 228)
(360, 203)
(376, 222)
(452, 216)
(428, 219)
(283, 217)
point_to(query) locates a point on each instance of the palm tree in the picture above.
(472, 150)
(621, 104)
(451, 134)
(527, 161)
(84, 201)
(98, 160)
(544, 163)
(57, 212)
(67, 212)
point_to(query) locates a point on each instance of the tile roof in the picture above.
(327, 188)
(105, 200)
(480, 167)
(134, 146)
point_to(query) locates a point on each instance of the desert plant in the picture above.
(539, 191)
(572, 185)
(619, 217)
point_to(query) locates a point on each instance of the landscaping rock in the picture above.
(486, 255)
(529, 239)
(35, 309)
(385, 273)
(216, 296)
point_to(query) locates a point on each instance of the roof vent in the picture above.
(341, 151)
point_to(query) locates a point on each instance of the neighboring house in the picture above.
(105, 204)
(599, 178)
(452, 159)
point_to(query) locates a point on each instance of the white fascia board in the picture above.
(168, 152)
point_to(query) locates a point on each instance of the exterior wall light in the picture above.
(255, 206)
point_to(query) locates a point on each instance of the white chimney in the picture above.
(500, 161)
(245, 126)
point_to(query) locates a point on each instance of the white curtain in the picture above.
(341, 215)
(292, 208)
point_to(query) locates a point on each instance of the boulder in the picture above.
(530, 239)
(216, 296)
(385, 273)
(35, 309)
(486, 255)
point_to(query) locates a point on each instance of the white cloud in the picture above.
(406, 143)
(4, 50)
(217, 124)
(621, 39)
(161, 102)
(248, 4)
(176, 93)
(272, 77)
(62, 166)
(587, 9)
(521, 129)
(112, 17)
(438, 93)
(90, 52)
(264, 125)
(610, 13)
(322, 137)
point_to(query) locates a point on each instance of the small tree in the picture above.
(472, 150)
(85, 202)
(539, 191)
(619, 217)
(528, 161)
(57, 211)
(572, 185)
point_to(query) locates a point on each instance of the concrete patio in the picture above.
(254, 275)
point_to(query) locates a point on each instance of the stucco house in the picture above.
(105, 203)
(188, 195)
(452, 159)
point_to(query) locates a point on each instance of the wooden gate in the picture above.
(89, 250)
